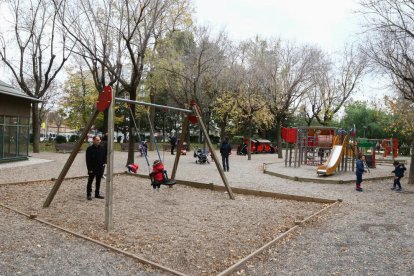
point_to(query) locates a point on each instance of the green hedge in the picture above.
(61, 139)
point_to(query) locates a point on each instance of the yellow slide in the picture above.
(329, 167)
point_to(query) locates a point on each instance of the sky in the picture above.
(329, 24)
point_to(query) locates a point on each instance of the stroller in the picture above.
(242, 149)
(201, 156)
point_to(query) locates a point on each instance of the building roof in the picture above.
(7, 89)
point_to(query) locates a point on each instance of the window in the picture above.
(14, 137)
(12, 120)
(23, 140)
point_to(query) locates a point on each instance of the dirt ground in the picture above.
(194, 231)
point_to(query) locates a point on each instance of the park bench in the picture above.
(64, 147)
(124, 147)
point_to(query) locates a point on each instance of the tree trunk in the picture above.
(222, 131)
(411, 174)
(279, 139)
(35, 127)
(152, 118)
(130, 160)
(249, 144)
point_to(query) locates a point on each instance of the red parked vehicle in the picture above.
(257, 146)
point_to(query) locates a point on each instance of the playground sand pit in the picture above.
(194, 231)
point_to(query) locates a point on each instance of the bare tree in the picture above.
(134, 26)
(390, 26)
(334, 85)
(34, 51)
(285, 69)
(195, 69)
(58, 118)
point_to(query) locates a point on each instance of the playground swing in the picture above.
(106, 102)
(165, 179)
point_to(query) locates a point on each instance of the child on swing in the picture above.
(158, 174)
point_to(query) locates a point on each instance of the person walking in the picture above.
(95, 162)
(360, 169)
(399, 173)
(173, 141)
(225, 150)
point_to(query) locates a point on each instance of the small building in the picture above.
(15, 110)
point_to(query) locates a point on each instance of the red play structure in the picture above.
(390, 144)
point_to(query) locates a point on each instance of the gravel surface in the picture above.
(28, 247)
(214, 231)
(369, 234)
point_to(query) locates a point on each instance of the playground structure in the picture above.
(390, 145)
(332, 163)
(331, 149)
(307, 145)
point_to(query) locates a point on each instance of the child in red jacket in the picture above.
(157, 174)
(132, 168)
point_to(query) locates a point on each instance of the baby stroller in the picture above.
(242, 149)
(201, 156)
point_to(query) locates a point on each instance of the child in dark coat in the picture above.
(359, 171)
(399, 173)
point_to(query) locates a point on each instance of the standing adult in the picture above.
(173, 141)
(95, 161)
(378, 147)
(225, 150)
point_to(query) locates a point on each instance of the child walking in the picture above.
(359, 171)
(399, 173)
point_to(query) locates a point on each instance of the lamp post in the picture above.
(365, 127)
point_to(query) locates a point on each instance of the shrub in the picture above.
(74, 138)
(404, 150)
(60, 139)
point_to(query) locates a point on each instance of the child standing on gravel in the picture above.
(399, 173)
(359, 171)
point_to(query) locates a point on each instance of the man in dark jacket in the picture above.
(95, 161)
(225, 150)
(173, 142)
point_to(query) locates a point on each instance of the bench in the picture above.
(124, 147)
(64, 147)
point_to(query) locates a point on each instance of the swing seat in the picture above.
(165, 180)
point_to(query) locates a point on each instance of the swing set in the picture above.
(105, 102)
(165, 180)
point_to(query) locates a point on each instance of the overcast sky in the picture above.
(329, 24)
(325, 23)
